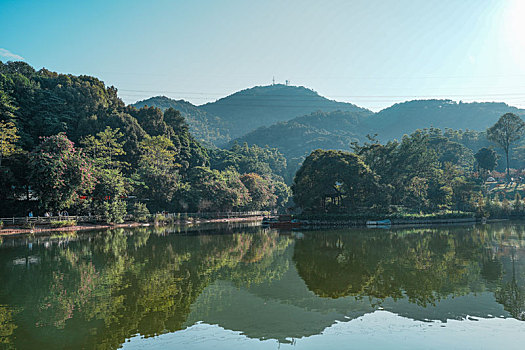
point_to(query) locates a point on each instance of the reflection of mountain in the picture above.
(277, 309)
(102, 290)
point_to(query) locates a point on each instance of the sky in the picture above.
(371, 53)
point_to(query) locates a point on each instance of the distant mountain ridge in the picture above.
(296, 119)
(242, 112)
(406, 117)
(265, 105)
(325, 130)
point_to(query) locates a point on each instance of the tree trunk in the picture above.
(508, 171)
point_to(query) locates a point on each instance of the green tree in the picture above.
(507, 130)
(59, 172)
(486, 159)
(8, 139)
(261, 192)
(158, 169)
(105, 148)
(213, 190)
(333, 180)
(110, 188)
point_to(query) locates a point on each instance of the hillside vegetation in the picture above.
(69, 143)
(206, 128)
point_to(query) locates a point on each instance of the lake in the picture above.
(242, 286)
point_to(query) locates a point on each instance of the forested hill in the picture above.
(336, 130)
(265, 105)
(205, 127)
(69, 142)
(301, 135)
(404, 118)
(244, 111)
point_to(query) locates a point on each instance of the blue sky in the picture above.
(372, 53)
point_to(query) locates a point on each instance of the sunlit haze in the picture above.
(371, 53)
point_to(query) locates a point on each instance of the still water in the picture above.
(244, 287)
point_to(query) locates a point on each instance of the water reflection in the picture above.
(96, 290)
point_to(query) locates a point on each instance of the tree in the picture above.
(261, 191)
(213, 190)
(105, 148)
(107, 195)
(333, 180)
(508, 129)
(487, 159)
(59, 172)
(8, 138)
(158, 170)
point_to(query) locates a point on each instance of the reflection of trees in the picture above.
(135, 282)
(7, 327)
(423, 265)
(511, 295)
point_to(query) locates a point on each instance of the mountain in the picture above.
(404, 118)
(298, 137)
(301, 135)
(249, 109)
(336, 130)
(205, 127)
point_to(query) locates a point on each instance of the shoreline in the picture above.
(15, 231)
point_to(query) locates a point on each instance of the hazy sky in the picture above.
(372, 53)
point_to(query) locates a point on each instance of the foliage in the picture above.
(486, 159)
(105, 149)
(140, 212)
(261, 191)
(207, 128)
(507, 130)
(59, 172)
(245, 159)
(425, 172)
(332, 180)
(107, 195)
(158, 170)
(8, 139)
(113, 212)
(212, 190)
(63, 223)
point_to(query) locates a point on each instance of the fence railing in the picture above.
(94, 218)
(217, 215)
(45, 219)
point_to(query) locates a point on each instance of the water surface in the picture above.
(235, 287)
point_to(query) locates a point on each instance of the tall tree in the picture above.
(508, 129)
(158, 169)
(105, 148)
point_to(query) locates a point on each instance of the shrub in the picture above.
(63, 223)
(140, 212)
(112, 211)
(160, 219)
(29, 225)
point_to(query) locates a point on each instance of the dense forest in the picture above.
(69, 143)
(297, 121)
(427, 171)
